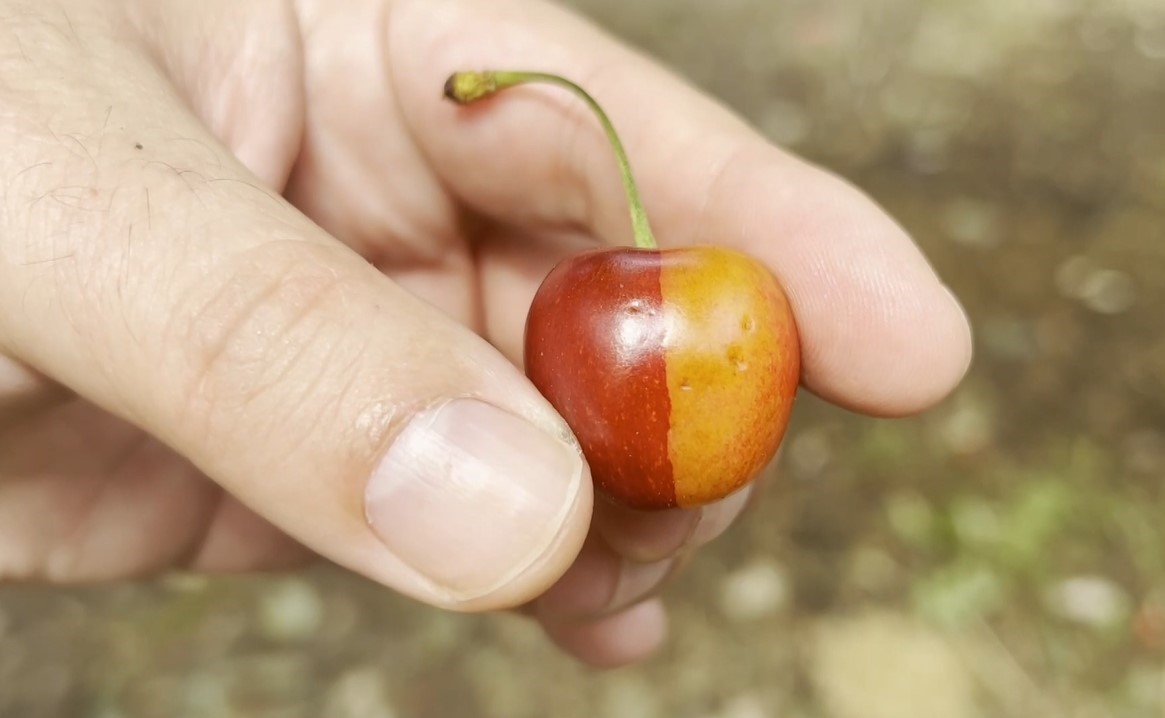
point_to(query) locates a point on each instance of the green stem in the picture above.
(467, 87)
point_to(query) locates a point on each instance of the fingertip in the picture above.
(584, 589)
(603, 583)
(905, 350)
(645, 536)
(907, 342)
(880, 333)
(628, 637)
(649, 536)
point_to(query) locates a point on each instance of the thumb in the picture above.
(359, 420)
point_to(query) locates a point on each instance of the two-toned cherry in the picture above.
(676, 369)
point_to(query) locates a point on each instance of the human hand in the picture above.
(248, 257)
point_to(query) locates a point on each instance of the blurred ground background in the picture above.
(1001, 556)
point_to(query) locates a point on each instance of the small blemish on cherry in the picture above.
(735, 355)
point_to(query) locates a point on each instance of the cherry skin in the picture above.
(676, 369)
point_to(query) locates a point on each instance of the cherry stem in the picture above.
(466, 87)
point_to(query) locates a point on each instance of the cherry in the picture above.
(676, 369)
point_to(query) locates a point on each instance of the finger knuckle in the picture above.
(263, 342)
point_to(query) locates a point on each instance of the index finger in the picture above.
(880, 333)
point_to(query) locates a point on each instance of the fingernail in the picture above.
(470, 496)
(715, 519)
(969, 331)
(638, 581)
